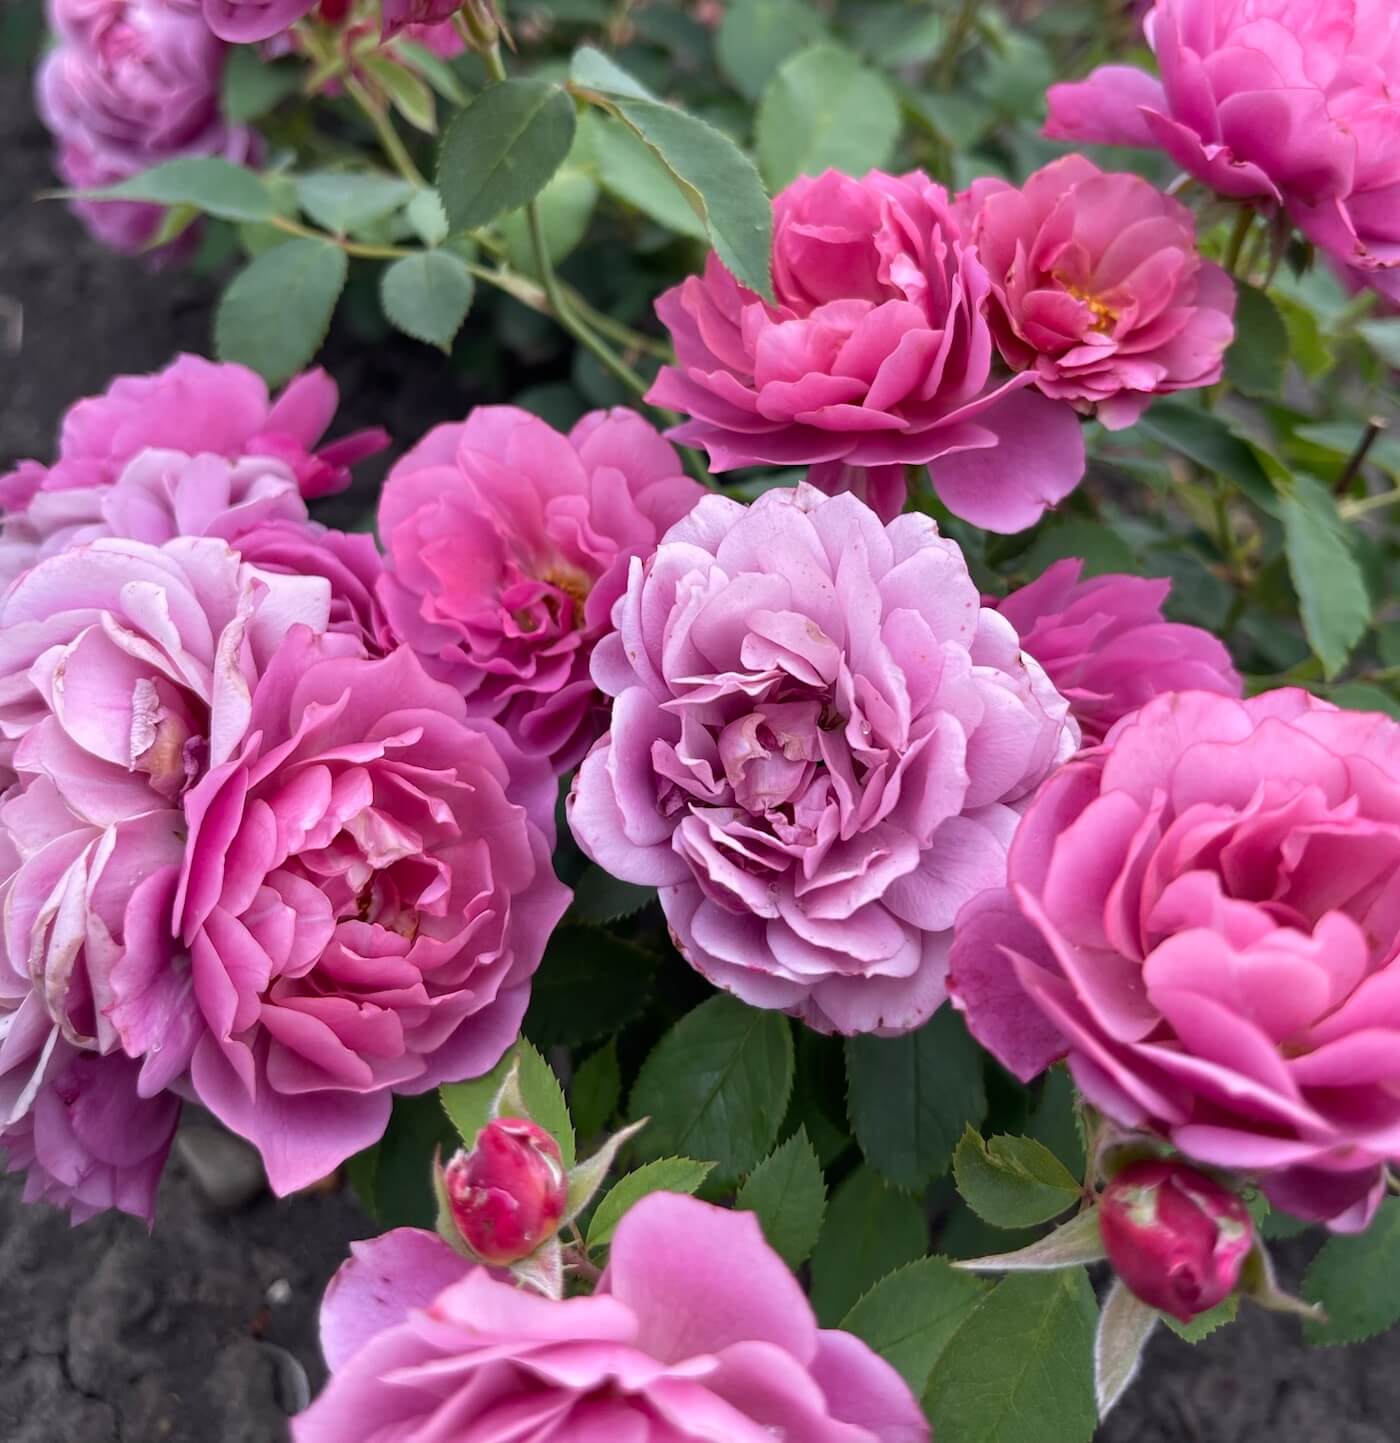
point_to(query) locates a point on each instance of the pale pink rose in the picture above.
(820, 746)
(1106, 646)
(508, 544)
(697, 1332)
(1288, 102)
(1204, 915)
(877, 354)
(1098, 288)
(365, 894)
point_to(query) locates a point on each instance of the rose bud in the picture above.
(508, 1194)
(1177, 1239)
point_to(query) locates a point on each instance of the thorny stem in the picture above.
(393, 146)
(1243, 221)
(948, 58)
(1357, 459)
(1350, 510)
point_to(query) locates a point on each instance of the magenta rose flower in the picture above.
(1295, 103)
(877, 354)
(245, 21)
(1106, 646)
(403, 15)
(365, 894)
(696, 1332)
(508, 544)
(199, 407)
(1204, 916)
(820, 746)
(1098, 289)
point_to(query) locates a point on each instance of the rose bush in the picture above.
(819, 745)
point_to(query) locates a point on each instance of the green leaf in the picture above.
(1055, 1120)
(1383, 337)
(408, 92)
(468, 1104)
(909, 1098)
(402, 1176)
(252, 86)
(719, 182)
(566, 206)
(344, 202)
(633, 173)
(1364, 696)
(1204, 1324)
(590, 983)
(717, 1085)
(1012, 1182)
(600, 897)
(275, 314)
(214, 186)
(788, 1192)
(499, 153)
(824, 108)
(1101, 549)
(1021, 1368)
(428, 296)
(1357, 1280)
(590, 69)
(433, 68)
(756, 36)
(870, 1230)
(596, 1090)
(910, 1316)
(427, 217)
(1331, 587)
(666, 1174)
(1256, 362)
(1208, 441)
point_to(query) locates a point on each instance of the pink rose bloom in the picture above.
(198, 406)
(244, 21)
(1097, 288)
(820, 747)
(90, 1142)
(365, 895)
(400, 15)
(508, 544)
(1289, 102)
(696, 1332)
(1204, 915)
(877, 354)
(132, 83)
(1107, 648)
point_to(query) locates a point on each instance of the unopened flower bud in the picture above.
(508, 1194)
(1176, 1238)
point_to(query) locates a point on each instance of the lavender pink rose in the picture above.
(877, 354)
(1203, 915)
(697, 1331)
(821, 743)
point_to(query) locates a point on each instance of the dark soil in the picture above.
(199, 1332)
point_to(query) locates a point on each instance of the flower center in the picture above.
(1105, 317)
(573, 583)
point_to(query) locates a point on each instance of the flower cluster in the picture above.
(1293, 104)
(893, 302)
(253, 853)
(132, 83)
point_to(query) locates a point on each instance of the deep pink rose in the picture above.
(90, 1142)
(1293, 102)
(1176, 1237)
(1107, 647)
(878, 353)
(1097, 287)
(820, 746)
(508, 544)
(1204, 914)
(401, 15)
(246, 21)
(509, 1192)
(365, 894)
(697, 1332)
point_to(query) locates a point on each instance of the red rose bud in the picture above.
(508, 1194)
(1177, 1239)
